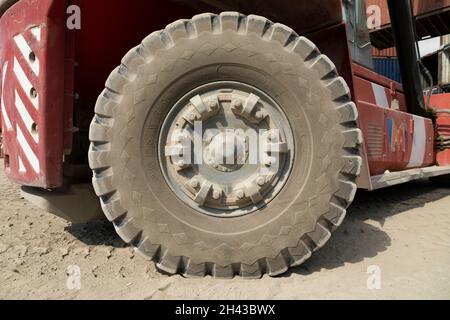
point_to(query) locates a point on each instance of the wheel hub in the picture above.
(226, 149)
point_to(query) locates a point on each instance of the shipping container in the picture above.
(389, 52)
(420, 7)
(432, 20)
(388, 67)
(444, 61)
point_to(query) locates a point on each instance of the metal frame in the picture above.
(389, 179)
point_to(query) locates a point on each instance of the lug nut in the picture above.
(261, 181)
(237, 104)
(269, 161)
(195, 183)
(192, 117)
(259, 115)
(213, 104)
(181, 163)
(240, 194)
(272, 136)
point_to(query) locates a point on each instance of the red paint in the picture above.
(102, 42)
(72, 63)
(69, 94)
(49, 85)
(374, 123)
(77, 63)
(372, 76)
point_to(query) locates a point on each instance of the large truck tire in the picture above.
(228, 72)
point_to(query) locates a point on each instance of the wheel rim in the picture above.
(226, 149)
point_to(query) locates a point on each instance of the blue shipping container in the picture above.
(388, 67)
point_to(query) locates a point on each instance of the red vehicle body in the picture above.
(298, 75)
(51, 77)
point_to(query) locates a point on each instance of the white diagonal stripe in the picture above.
(27, 120)
(26, 52)
(4, 113)
(25, 83)
(31, 156)
(36, 32)
(380, 96)
(21, 166)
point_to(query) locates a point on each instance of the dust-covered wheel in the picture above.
(225, 145)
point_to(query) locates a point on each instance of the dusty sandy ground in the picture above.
(404, 230)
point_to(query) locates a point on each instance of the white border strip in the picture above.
(22, 168)
(4, 113)
(379, 92)
(419, 143)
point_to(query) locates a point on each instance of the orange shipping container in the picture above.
(420, 7)
(390, 52)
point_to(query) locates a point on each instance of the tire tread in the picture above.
(164, 39)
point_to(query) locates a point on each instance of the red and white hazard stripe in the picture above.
(36, 57)
(20, 111)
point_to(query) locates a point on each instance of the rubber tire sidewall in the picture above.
(161, 215)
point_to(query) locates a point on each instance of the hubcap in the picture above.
(226, 149)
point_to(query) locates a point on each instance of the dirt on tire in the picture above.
(403, 230)
(271, 57)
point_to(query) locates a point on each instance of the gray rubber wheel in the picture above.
(318, 181)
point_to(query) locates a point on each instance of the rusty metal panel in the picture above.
(32, 91)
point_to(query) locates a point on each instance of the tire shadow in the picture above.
(361, 235)
(96, 233)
